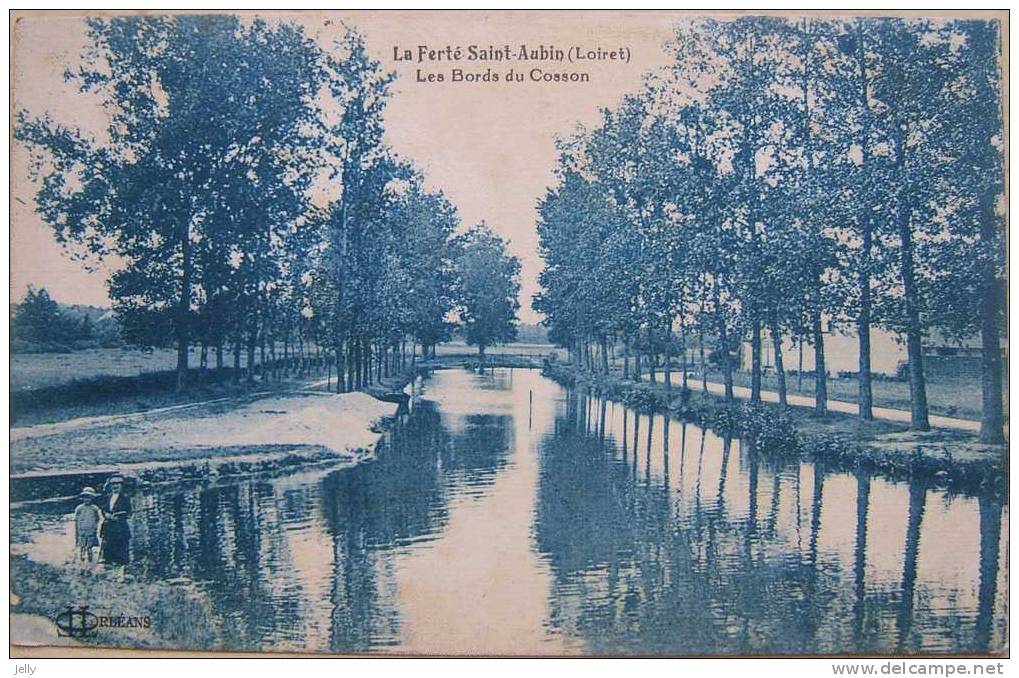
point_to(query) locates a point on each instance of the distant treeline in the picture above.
(526, 334)
(41, 325)
(245, 191)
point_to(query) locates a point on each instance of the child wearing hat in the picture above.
(86, 524)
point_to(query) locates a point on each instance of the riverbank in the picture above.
(41, 591)
(254, 433)
(218, 428)
(954, 459)
(265, 434)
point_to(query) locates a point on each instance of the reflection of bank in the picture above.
(753, 556)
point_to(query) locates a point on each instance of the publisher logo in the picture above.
(76, 622)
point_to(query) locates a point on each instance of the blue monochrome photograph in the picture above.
(509, 333)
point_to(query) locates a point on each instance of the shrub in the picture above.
(641, 399)
(769, 429)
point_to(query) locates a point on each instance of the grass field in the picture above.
(38, 370)
(950, 397)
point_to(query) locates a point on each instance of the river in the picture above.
(506, 514)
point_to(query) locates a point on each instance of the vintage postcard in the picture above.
(509, 333)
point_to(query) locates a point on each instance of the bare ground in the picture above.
(274, 423)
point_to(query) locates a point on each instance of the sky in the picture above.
(489, 146)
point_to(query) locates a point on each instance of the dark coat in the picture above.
(115, 532)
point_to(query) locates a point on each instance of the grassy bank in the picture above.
(949, 397)
(952, 459)
(46, 590)
(106, 395)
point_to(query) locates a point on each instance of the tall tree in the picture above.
(488, 286)
(189, 97)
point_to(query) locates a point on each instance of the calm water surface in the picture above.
(509, 515)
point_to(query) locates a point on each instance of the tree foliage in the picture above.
(795, 176)
(243, 188)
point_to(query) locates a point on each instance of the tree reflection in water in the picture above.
(640, 568)
(642, 534)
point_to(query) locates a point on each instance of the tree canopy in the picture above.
(798, 177)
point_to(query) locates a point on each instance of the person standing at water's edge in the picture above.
(116, 533)
(86, 524)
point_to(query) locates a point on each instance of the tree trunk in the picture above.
(366, 371)
(352, 366)
(723, 348)
(251, 359)
(704, 363)
(219, 357)
(367, 353)
(374, 363)
(918, 419)
(337, 351)
(864, 378)
(755, 361)
(626, 358)
(604, 354)
(359, 382)
(776, 342)
(799, 369)
(636, 365)
(820, 369)
(685, 367)
(342, 365)
(237, 360)
(275, 372)
(261, 356)
(184, 310)
(668, 371)
(864, 381)
(668, 355)
(992, 419)
(329, 377)
(682, 338)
